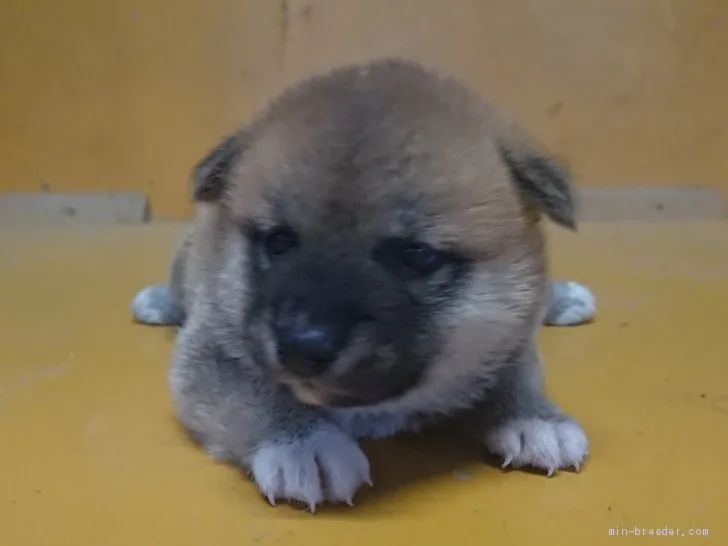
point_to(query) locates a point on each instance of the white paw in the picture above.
(571, 304)
(155, 305)
(327, 465)
(539, 443)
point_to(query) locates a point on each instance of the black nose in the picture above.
(308, 345)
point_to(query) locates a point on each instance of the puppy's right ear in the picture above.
(542, 182)
(210, 174)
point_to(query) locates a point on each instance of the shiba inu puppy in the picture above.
(367, 258)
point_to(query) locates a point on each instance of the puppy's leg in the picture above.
(571, 304)
(292, 450)
(520, 424)
(161, 305)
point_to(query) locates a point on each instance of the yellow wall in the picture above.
(128, 94)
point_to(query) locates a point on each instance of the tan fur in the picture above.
(479, 206)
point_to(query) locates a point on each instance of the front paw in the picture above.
(326, 465)
(546, 444)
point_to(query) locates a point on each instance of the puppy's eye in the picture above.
(409, 257)
(421, 258)
(280, 240)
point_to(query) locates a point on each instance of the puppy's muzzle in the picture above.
(309, 342)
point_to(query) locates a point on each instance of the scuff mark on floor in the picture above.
(32, 379)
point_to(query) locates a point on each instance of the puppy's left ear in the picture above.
(210, 174)
(541, 182)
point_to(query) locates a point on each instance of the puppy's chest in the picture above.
(359, 424)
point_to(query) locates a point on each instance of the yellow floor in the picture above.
(91, 455)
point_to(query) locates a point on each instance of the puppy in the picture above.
(366, 259)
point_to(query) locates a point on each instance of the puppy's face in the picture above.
(374, 236)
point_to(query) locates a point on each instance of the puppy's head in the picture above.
(373, 237)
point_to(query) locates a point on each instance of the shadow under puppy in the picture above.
(367, 259)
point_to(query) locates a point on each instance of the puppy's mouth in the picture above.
(362, 377)
(308, 392)
(319, 392)
(314, 392)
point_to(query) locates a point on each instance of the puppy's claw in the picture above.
(327, 465)
(546, 444)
